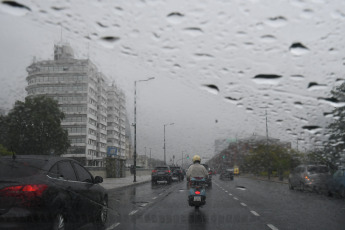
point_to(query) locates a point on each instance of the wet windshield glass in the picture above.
(127, 89)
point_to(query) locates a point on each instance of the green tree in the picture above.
(337, 127)
(271, 157)
(327, 156)
(34, 127)
(4, 151)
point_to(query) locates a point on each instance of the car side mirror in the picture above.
(98, 180)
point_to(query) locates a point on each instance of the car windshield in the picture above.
(20, 168)
(128, 88)
(318, 169)
(162, 168)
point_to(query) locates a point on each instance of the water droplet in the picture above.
(194, 31)
(298, 49)
(211, 88)
(175, 17)
(14, 8)
(278, 21)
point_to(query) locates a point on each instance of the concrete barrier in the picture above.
(101, 171)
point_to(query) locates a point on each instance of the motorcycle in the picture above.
(197, 192)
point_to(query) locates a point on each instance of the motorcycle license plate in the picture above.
(197, 198)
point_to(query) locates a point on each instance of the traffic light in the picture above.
(223, 156)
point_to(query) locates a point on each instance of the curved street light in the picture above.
(165, 163)
(135, 126)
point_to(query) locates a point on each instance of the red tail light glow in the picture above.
(154, 171)
(28, 191)
(168, 171)
(197, 192)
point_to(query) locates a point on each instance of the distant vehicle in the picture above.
(310, 177)
(236, 170)
(177, 173)
(337, 183)
(227, 174)
(49, 192)
(161, 173)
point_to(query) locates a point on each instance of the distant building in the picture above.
(116, 129)
(83, 95)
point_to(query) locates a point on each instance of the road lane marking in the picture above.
(160, 194)
(230, 194)
(144, 204)
(154, 198)
(133, 212)
(243, 204)
(226, 191)
(235, 198)
(255, 213)
(271, 226)
(113, 226)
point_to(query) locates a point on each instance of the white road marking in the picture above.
(154, 198)
(230, 194)
(160, 194)
(241, 189)
(235, 198)
(226, 191)
(144, 204)
(243, 204)
(133, 212)
(255, 213)
(113, 226)
(271, 226)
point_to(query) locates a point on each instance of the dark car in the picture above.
(177, 173)
(227, 174)
(161, 173)
(337, 183)
(49, 192)
(310, 177)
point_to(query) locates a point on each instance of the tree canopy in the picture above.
(271, 157)
(337, 127)
(34, 127)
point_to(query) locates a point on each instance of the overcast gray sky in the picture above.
(279, 56)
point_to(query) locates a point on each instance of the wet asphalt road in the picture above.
(239, 204)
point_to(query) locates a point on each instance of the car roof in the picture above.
(49, 159)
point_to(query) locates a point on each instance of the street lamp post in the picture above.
(135, 127)
(165, 163)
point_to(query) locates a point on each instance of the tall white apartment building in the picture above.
(81, 91)
(116, 129)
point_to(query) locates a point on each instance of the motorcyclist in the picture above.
(196, 169)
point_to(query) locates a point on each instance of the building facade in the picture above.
(82, 94)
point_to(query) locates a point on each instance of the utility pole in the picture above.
(165, 163)
(269, 160)
(135, 127)
(150, 158)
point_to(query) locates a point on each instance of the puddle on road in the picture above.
(240, 187)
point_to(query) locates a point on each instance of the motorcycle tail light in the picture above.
(197, 192)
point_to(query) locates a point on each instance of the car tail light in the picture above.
(197, 192)
(209, 173)
(306, 177)
(168, 171)
(28, 191)
(154, 171)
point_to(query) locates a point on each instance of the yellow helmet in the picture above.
(196, 158)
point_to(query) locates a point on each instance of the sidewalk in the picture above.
(273, 179)
(116, 183)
